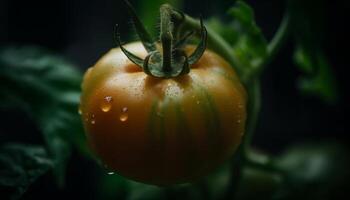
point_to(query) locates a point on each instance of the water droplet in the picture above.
(93, 121)
(125, 109)
(105, 107)
(79, 111)
(124, 115)
(110, 173)
(106, 104)
(108, 99)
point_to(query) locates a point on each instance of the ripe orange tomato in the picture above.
(162, 130)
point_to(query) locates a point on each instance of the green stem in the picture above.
(252, 80)
(254, 101)
(166, 29)
(263, 162)
(253, 109)
(220, 46)
(253, 83)
(280, 36)
(215, 41)
(275, 44)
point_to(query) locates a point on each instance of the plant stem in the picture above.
(280, 36)
(220, 46)
(215, 41)
(262, 162)
(253, 80)
(253, 109)
(276, 43)
(166, 36)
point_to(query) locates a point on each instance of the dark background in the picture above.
(83, 31)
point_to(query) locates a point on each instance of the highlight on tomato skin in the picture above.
(162, 131)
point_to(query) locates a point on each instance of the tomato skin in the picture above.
(162, 131)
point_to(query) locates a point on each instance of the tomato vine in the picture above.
(39, 82)
(249, 75)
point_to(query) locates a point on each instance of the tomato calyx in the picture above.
(171, 60)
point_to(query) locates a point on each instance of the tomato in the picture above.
(162, 130)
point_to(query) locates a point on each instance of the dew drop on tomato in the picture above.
(124, 114)
(106, 104)
(92, 119)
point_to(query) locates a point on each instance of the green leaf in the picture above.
(213, 186)
(142, 191)
(20, 166)
(258, 184)
(250, 45)
(246, 39)
(319, 79)
(114, 186)
(47, 88)
(218, 182)
(227, 33)
(315, 171)
(308, 25)
(111, 186)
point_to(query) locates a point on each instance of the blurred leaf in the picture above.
(258, 184)
(112, 186)
(140, 191)
(308, 24)
(195, 191)
(227, 33)
(315, 171)
(213, 186)
(20, 166)
(319, 78)
(247, 41)
(48, 89)
(251, 45)
(117, 187)
(149, 12)
(218, 182)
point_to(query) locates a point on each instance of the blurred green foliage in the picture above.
(258, 183)
(308, 27)
(20, 166)
(315, 171)
(248, 44)
(47, 88)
